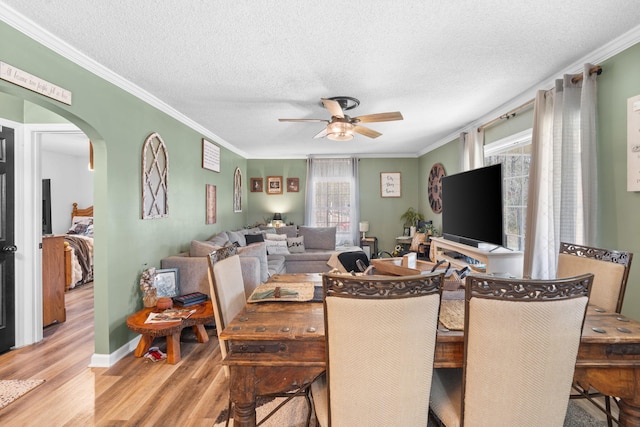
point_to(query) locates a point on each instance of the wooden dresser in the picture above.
(53, 280)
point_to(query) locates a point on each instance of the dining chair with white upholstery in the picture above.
(228, 296)
(380, 342)
(520, 348)
(611, 273)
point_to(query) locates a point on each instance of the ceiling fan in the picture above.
(342, 127)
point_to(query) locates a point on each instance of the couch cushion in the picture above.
(258, 250)
(289, 230)
(295, 244)
(318, 237)
(237, 237)
(275, 236)
(199, 249)
(220, 239)
(276, 264)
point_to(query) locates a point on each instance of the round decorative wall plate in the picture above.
(434, 188)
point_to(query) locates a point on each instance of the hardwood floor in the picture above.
(134, 392)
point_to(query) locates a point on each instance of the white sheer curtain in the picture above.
(472, 149)
(331, 197)
(562, 205)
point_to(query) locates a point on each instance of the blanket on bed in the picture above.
(83, 251)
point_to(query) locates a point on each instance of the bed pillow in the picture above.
(237, 237)
(273, 236)
(295, 245)
(220, 239)
(254, 238)
(81, 225)
(277, 247)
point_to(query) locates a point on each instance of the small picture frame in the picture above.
(406, 232)
(167, 282)
(293, 185)
(256, 185)
(390, 184)
(274, 185)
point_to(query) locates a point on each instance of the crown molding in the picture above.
(45, 38)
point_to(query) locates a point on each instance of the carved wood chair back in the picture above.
(610, 267)
(520, 349)
(380, 340)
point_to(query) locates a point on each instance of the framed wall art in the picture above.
(390, 184)
(211, 204)
(237, 190)
(210, 156)
(167, 282)
(293, 185)
(256, 185)
(274, 185)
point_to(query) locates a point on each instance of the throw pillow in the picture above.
(280, 237)
(318, 237)
(277, 247)
(200, 249)
(258, 250)
(254, 238)
(295, 245)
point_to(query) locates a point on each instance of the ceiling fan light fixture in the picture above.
(340, 131)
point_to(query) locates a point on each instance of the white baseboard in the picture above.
(108, 360)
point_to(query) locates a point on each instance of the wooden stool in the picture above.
(171, 330)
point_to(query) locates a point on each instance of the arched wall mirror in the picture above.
(155, 178)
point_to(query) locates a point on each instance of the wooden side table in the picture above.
(170, 330)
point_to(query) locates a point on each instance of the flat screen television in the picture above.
(472, 206)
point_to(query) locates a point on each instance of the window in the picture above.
(331, 197)
(514, 153)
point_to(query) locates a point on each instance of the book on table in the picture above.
(169, 315)
(190, 299)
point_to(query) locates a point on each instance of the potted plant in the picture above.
(411, 218)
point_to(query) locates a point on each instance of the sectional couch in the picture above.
(263, 252)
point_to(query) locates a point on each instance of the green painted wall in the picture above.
(118, 123)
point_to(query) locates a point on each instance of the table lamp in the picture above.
(277, 219)
(364, 227)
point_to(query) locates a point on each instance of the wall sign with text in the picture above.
(390, 184)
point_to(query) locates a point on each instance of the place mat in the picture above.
(296, 292)
(452, 314)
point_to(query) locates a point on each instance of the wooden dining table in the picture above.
(280, 346)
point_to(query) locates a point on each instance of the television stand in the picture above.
(496, 259)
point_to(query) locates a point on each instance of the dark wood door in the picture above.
(7, 243)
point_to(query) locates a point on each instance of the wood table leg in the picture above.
(201, 333)
(244, 414)
(629, 415)
(173, 348)
(143, 345)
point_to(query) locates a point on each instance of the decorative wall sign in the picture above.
(155, 178)
(274, 185)
(256, 185)
(33, 83)
(390, 184)
(211, 204)
(237, 190)
(210, 156)
(293, 185)
(633, 143)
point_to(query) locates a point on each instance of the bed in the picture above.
(78, 251)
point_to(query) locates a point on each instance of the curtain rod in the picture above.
(594, 70)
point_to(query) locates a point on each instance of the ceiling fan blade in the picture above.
(321, 134)
(366, 131)
(380, 117)
(304, 120)
(334, 107)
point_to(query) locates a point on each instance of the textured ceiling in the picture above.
(235, 67)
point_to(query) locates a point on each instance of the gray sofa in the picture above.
(287, 249)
